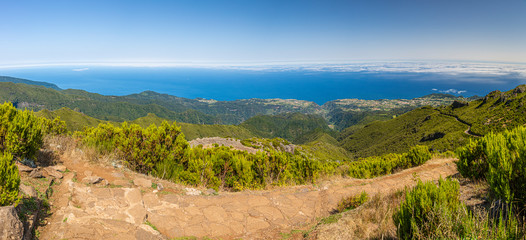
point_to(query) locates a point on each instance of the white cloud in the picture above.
(452, 91)
(434, 89)
(446, 68)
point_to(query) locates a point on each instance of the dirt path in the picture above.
(468, 131)
(117, 211)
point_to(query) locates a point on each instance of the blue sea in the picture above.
(232, 84)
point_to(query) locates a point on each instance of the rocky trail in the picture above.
(94, 201)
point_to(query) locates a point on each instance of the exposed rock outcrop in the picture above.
(10, 225)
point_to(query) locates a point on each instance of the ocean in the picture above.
(232, 84)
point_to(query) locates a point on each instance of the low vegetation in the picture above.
(429, 211)
(352, 202)
(163, 151)
(423, 126)
(21, 136)
(500, 159)
(290, 126)
(9, 180)
(386, 164)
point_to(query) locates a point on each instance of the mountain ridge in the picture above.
(340, 113)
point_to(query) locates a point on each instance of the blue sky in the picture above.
(261, 31)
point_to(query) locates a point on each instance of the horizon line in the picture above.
(197, 64)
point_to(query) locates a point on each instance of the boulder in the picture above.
(36, 173)
(60, 168)
(192, 191)
(211, 191)
(10, 225)
(24, 168)
(160, 186)
(54, 173)
(28, 190)
(92, 180)
(142, 182)
(147, 233)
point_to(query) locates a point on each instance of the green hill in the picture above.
(425, 125)
(75, 121)
(495, 112)
(441, 128)
(293, 119)
(290, 126)
(323, 146)
(108, 108)
(29, 82)
(193, 131)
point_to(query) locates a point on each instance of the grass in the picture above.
(151, 225)
(351, 202)
(331, 219)
(371, 221)
(27, 207)
(399, 134)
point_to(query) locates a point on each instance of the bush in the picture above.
(352, 202)
(21, 132)
(501, 160)
(429, 211)
(418, 155)
(435, 212)
(9, 180)
(472, 161)
(142, 148)
(164, 152)
(378, 166)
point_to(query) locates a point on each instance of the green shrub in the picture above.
(430, 211)
(53, 127)
(472, 161)
(164, 152)
(418, 155)
(352, 202)
(435, 212)
(500, 158)
(142, 148)
(21, 132)
(9, 180)
(378, 166)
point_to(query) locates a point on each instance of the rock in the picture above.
(459, 104)
(91, 180)
(36, 173)
(60, 168)
(104, 183)
(255, 224)
(28, 190)
(134, 196)
(142, 182)
(88, 173)
(147, 233)
(160, 186)
(24, 168)
(122, 182)
(192, 191)
(519, 89)
(54, 173)
(28, 162)
(210, 191)
(118, 174)
(10, 225)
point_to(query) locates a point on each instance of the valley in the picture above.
(281, 169)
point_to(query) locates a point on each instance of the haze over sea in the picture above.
(313, 82)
